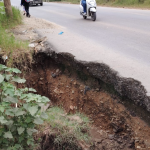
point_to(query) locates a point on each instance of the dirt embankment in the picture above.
(93, 89)
(114, 125)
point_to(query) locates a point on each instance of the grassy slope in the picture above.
(66, 128)
(8, 44)
(117, 3)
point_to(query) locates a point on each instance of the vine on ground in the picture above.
(20, 111)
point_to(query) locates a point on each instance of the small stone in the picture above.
(136, 141)
(41, 78)
(61, 92)
(24, 31)
(57, 70)
(72, 91)
(53, 75)
(71, 107)
(139, 147)
(75, 83)
(56, 91)
(110, 136)
(136, 138)
(31, 45)
(97, 89)
(4, 57)
(40, 82)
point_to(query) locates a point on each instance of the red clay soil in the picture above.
(113, 128)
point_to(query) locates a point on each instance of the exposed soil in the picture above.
(114, 127)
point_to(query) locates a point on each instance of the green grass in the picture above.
(8, 22)
(8, 44)
(117, 3)
(68, 128)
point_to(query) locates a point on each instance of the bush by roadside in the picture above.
(10, 47)
(116, 3)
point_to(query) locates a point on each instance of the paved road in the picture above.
(119, 37)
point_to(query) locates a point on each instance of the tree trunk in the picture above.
(8, 8)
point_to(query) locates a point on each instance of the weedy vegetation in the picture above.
(15, 52)
(20, 111)
(67, 129)
(120, 3)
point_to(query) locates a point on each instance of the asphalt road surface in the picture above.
(119, 37)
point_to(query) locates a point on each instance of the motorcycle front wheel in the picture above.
(93, 16)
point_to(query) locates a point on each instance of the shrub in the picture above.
(20, 111)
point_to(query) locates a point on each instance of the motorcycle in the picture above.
(90, 8)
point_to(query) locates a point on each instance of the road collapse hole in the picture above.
(76, 91)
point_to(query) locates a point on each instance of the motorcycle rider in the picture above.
(84, 6)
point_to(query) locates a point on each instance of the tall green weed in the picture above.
(9, 46)
(120, 3)
(20, 111)
(8, 22)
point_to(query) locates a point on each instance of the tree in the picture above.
(8, 8)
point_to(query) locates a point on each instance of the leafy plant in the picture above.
(20, 111)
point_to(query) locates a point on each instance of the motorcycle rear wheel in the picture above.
(93, 16)
(84, 17)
